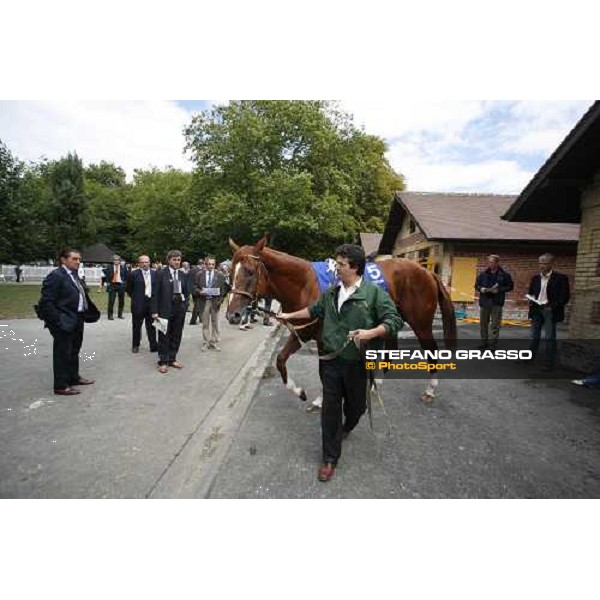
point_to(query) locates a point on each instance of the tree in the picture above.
(160, 213)
(23, 210)
(108, 198)
(68, 210)
(298, 169)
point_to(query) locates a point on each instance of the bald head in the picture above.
(144, 262)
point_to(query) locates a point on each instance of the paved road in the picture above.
(219, 429)
(479, 439)
(133, 434)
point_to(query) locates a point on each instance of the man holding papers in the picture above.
(169, 301)
(548, 294)
(210, 287)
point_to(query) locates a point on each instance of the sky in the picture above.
(444, 146)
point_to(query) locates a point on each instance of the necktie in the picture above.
(176, 283)
(115, 277)
(81, 291)
(210, 278)
(147, 284)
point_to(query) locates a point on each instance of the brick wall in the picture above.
(583, 324)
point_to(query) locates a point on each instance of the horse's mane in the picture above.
(285, 255)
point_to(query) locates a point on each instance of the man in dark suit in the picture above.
(115, 276)
(211, 287)
(169, 301)
(551, 292)
(139, 288)
(196, 296)
(65, 306)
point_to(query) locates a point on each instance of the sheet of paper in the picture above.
(161, 325)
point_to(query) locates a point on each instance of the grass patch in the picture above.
(17, 300)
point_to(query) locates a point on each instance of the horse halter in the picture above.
(253, 296)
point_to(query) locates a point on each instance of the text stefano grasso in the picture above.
(387, 355)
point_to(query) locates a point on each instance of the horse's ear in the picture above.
(233, 246)
(262, 243)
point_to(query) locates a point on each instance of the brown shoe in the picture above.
(68, 391)
(176, 365)
(82, 381)
(326, 471)
(162, 369)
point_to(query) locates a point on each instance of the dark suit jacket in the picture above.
(136, 290)
(218, 281)
(558, 292)
(108, 274)
(193, 274)
(162, 292)
(60, 301)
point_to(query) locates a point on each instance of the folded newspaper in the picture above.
(535, 300)
(161, 324)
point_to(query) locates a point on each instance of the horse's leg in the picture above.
(427, 341)
(291, 346)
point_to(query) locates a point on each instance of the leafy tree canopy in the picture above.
(298, 169)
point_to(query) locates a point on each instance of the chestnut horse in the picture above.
(258, 270)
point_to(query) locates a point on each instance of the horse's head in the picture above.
(249, 277)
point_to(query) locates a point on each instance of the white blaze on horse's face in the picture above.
(235, 274)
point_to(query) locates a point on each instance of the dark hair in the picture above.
(64, 253)
(173, 254)
(210, 257)
(355, 255)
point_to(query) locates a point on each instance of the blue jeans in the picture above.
(542, 321)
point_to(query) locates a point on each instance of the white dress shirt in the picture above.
(346, 292)
(147, 282)
(81, 305)
(176, 277)
(543, 295)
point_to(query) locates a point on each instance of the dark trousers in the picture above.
(137, 319)
(542, 321)
(168, 345)
(344, 395)
(113, 291)
(65, 357)
(196, 310)
(487, 314)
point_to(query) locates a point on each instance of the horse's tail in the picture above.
(448, 315)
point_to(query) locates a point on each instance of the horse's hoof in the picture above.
(302, 396)
(427, 398)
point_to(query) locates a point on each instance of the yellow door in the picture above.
(464, 273)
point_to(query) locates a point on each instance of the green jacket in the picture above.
(366, 308)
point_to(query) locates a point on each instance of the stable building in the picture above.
(453, 234)
(566, 190)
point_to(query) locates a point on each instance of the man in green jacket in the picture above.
(357, 309)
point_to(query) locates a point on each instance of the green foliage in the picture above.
(298, 169)
(160, 213)
(68, 208)
(105, 174)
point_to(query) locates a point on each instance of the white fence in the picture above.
(37, 274)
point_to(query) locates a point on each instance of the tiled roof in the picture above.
(477, 217)
(370, 242)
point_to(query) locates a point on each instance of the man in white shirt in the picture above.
(169, 301)
(139, 289)
(65, 306)
(211, 287)
(552, 292)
